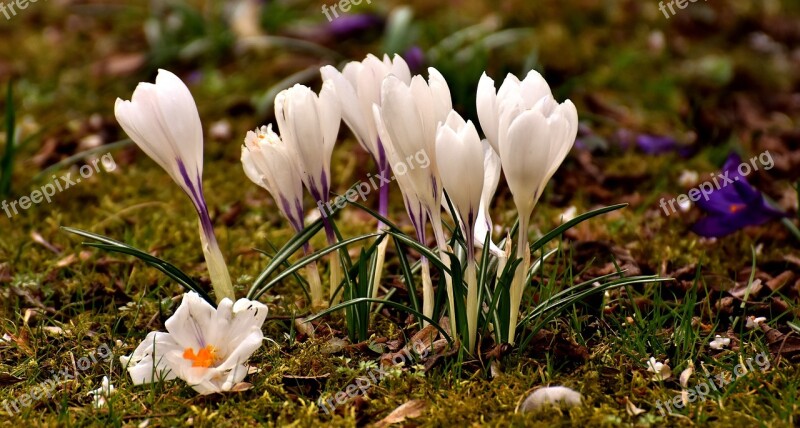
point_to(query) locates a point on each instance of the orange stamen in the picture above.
(735, 207)
(204, 358)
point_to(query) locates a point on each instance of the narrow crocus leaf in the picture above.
(108, 244)
(387, 303)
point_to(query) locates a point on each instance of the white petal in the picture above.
(268, 162)
(399, 69)
(551, 395)
(486, 103)
(440, 92)
(348, 100)
(330, 114)
(524, 153)
(147, 363)
(192, 322)
(183, 121)
(491, 177)
(534, 88)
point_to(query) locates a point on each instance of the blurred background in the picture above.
(663, 99)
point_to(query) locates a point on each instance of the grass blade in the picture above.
(395, 305)
(165, 267)
(304, 261)
(577, 220)
(285, 252)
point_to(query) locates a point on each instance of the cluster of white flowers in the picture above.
(394, 116)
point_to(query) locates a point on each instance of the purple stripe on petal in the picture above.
(295, 222)
(469, 231)
(196, 195)
(298, 207)
(326, 188)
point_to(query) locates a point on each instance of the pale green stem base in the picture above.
(315, 286)
(336, 278)
(472, 305)
(217, 269)
(427, 291)
(381, 257)
(518, 286)
(441, 241)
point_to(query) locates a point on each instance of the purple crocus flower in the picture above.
(415, 58)
(353, 24)
(657, 144)
(735, 205)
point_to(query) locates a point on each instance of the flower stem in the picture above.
(217, 269)
(335, 266)
(472, 304)
(441, 241)
(381, 257)
(517, 285)
(427, 290)
(314, 281)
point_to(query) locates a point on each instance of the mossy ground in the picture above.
(697, 76)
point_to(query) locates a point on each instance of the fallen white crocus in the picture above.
(662, 370)
(551, 395)
(103, 393)
(719, 342)
(754, 322)
(205, 347)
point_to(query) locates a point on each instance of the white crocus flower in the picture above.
(407, 122)
(101, 395)
(491, 177)
(662, 370)
(719, 343)
(205, 347)
(309, 124)
(462, 177)
(268, 162)
(162, 119)
(358, 88)
(532, 133)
